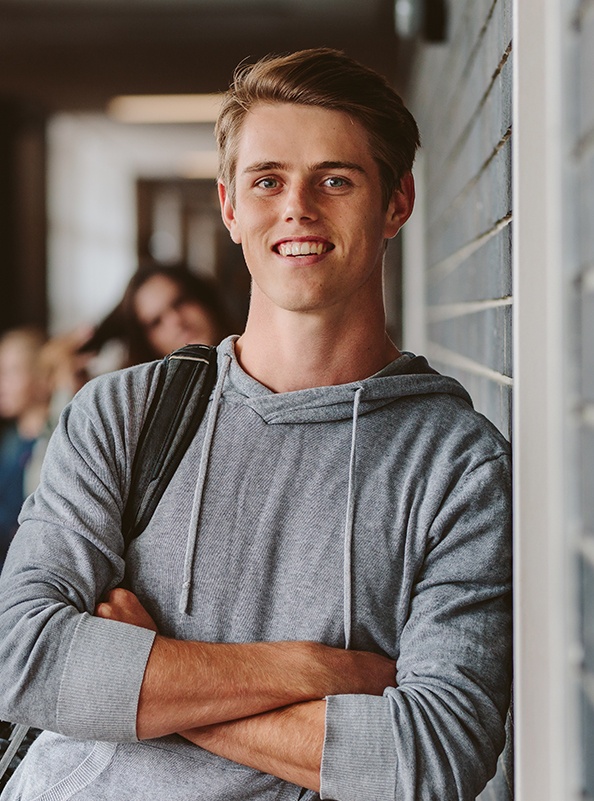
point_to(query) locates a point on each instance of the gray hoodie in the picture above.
(372, 515)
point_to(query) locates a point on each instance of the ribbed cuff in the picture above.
(99, 691)
(358, 762)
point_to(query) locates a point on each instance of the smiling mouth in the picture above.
(308, 248)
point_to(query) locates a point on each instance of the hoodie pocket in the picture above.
(83, 775)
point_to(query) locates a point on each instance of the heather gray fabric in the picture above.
(374, 513)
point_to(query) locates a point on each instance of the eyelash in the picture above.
(343, 181)
(260, 183)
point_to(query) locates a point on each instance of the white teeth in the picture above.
(301, 248)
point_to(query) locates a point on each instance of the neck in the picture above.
(287, 351)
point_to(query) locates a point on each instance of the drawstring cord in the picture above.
(197, 502)
(198, 492)
(348, 531)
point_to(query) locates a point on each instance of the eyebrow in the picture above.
(269, 166)
(339, 165)
(265, 166)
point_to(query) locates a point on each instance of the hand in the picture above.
(64, 364)
(341, 672)
(124, 606)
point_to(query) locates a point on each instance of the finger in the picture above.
(103, 610)
(121, 597)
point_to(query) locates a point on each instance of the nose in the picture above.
(172, 320)
(299, 203)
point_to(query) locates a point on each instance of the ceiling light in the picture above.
(164, 108)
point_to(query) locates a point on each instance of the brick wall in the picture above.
(461, 96)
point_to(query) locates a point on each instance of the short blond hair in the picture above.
(328, 79)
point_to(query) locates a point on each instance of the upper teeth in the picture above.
(301, 248)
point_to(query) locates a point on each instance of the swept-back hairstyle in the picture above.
(328, 79)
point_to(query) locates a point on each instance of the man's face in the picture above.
(308, 209)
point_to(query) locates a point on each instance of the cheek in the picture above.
(252, 226)
(21, 386)
(203, 326)
(157, 339)
(207, 334)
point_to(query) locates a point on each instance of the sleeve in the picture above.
(62, 668)
(437, 735)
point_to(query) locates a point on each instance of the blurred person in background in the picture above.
(163, 308)
(38, 377)
(24, 410)
(66, 365)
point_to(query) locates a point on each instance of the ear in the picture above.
(228, 214)
(400, 206)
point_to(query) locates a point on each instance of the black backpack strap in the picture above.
(187, 378)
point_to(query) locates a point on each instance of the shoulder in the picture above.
(110, 409)
(438, 404)
(464, 436)
(453, 414)
(440, 440)
(122, 390)
(130, 380)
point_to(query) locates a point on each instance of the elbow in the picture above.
(32, 644)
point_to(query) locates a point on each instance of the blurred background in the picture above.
(492, 277)
(92, 185)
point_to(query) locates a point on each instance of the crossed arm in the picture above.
(259, 704)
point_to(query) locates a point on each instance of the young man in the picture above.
(321, 602)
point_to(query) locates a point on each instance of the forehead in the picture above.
(16, 358)
(157, 285)
(289, 132)
(157, 291)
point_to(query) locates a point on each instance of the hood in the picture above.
(407, 376)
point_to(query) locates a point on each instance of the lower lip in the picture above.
(304, 261)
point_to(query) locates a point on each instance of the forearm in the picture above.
(189, 684)
(286, 743)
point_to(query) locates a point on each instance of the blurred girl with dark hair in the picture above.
(164, 308)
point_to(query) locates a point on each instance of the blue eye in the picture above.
(336, 182)
(267, 183)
